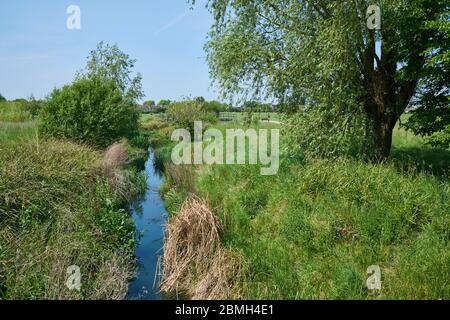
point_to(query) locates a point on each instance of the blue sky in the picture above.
(38, 52)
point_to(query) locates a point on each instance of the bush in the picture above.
(216, 107)
(185, 113)
(99, 107)
(164, 103)
(90, 111)
(433, 124)
(140, 140)
(33, 106)
(158, 109)
(441, 138)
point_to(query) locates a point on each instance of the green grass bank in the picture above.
(61, 205)
(312, 231)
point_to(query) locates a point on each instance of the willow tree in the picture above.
(326, 53)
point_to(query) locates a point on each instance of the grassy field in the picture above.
(410, 152)
(312, 231)
(60, 205)
(14, 112)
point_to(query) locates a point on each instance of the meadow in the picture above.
(70, 168)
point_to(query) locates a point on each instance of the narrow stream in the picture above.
(149, 216)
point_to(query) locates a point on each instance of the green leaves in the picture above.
(99, 107)
(326, 133)
(89, 111)
(184, 113)
(108, 63)
(432, 119)
(322, 54)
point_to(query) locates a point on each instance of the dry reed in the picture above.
(195, 264)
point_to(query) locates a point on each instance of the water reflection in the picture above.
(149, 216)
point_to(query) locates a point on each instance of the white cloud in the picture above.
(173, 22)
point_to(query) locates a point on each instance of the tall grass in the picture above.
(15, 133)
(14, 112)
(312, 231)
(410, 152)
(195, 263)
(59, 208)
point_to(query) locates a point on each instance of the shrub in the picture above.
(216, 107)
(140, 139)
(99, 107)
(153, 123)
(185, 113)
(91, 111)
(164, 103)
(33, 106)
(433, 124)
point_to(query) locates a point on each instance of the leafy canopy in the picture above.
(149, 103)
(164, 103)
(321, 54)
(432, 118)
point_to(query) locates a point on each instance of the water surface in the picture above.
(149, 216)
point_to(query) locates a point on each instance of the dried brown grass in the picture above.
(195, 263)
(182, 177)
(113, 278)
(115, 157)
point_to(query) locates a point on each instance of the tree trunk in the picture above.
(386, 96)
(383, 121)
(383, 127)
(384, 108)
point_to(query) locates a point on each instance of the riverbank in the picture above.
(312, 231)
(64, 205)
